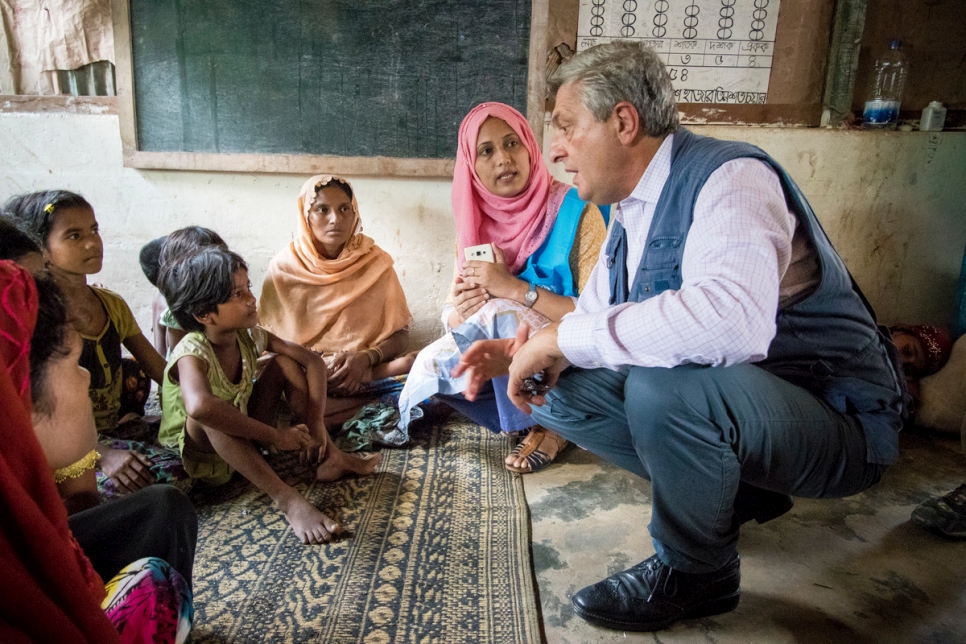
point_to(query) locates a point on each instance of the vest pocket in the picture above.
(662, 252)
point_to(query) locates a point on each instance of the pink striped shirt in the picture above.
(737, 252)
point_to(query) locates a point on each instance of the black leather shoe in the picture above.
(651, 596)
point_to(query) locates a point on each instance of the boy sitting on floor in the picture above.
(150, 259)
(214, 409)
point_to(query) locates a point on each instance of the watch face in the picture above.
(532, 295)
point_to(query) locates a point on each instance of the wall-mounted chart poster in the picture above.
(716, 51)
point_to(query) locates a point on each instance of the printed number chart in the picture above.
(716, 51)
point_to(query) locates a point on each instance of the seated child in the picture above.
(154, 254)
(154, 528)
(923, 350)
(150, 260)
(216, 412)
(64, 227)
(941, 406)
(16, 246)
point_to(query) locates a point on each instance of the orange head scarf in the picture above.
(517, 224)
(349, 303)
(51, 593)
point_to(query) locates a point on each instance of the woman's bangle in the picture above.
(375, 356)
(76, 469)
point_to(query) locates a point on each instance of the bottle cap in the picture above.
(935, 105)
(895, 44)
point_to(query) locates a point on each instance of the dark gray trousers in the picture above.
(697, 433)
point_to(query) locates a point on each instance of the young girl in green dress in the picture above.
(216, 412)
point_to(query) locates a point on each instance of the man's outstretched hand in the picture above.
(488, 359)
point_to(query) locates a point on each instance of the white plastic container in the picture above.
(933, 117)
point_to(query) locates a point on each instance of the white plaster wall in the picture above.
(893, 203)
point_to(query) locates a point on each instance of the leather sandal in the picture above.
(536, 458)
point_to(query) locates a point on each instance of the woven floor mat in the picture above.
(438, 551)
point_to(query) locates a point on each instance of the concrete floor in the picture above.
(852, 570)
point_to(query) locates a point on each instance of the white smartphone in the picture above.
(481, 253)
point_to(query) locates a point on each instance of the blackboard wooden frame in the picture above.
(301, 163)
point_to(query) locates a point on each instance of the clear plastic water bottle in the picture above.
(882, 108)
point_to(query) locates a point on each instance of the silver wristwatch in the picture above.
(531, 297)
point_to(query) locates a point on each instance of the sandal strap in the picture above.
(538, 460)
(529, 444)
(535, 458)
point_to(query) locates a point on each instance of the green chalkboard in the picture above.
(357, 78)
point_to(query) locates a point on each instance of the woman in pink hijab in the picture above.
(539, 242)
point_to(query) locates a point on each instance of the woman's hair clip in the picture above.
(49, 209)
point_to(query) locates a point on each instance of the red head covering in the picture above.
(935, 341)
(45, 580)
(517, 224)
(18, 314)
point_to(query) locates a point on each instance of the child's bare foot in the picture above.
(337, 464)
(308, 524)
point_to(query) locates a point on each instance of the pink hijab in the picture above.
(518, 224)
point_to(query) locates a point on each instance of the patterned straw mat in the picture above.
(439, 551)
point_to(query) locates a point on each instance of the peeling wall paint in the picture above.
(893, 203)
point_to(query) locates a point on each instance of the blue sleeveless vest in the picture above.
(826, 341)
(549, 266)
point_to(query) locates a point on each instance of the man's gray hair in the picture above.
(620, 71)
